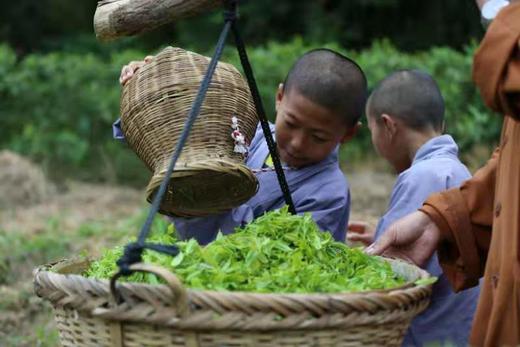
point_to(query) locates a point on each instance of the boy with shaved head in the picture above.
(406, 117)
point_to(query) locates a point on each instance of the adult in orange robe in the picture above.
(476, 228)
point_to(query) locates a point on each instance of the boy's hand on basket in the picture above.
(413, 238)
(358, 231)
(129, 70)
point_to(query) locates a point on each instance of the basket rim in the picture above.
(214, 310)
(211, 167)
(59, 264)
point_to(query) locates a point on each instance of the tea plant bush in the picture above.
(58, 108)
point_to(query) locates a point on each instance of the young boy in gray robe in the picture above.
(406, 118)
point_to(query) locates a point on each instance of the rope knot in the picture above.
(131, 255)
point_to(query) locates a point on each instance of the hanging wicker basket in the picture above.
(170, 315)
(209, 177)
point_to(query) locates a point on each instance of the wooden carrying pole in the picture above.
(117, 18)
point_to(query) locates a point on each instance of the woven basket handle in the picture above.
(180, 295)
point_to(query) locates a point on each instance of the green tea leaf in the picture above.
(278, 252)
(426, 281)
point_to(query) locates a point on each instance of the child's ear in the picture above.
(279, 96)
(389, 124)
(350, 133)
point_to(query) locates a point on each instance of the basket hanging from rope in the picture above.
(210, 176)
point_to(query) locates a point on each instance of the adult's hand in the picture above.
(358, 231)
(413, 238)
(129, 70)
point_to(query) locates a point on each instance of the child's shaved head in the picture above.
(409, 95)
(330, 80)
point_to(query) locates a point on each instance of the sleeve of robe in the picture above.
(465, 215)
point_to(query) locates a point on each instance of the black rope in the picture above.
(262, 117)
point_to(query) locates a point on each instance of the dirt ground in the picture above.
(63, 224)
(370, 192)
(81, 218)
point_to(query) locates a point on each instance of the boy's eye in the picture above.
(290, 125)
(319, 139)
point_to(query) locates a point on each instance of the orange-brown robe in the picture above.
(480, 221)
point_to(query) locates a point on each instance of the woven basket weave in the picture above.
(170, 315)
(209, 176)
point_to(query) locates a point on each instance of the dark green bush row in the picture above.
(58, 108)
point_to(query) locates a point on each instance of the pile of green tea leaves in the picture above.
(278, 252)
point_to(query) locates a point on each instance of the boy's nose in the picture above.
(297, 143)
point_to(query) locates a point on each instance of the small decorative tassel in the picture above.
(240, 140)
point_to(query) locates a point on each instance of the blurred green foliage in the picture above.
(58, 107)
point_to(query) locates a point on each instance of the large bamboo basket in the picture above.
(209, 177)
(170, 315)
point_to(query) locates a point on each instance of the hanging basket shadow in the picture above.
(209, 177)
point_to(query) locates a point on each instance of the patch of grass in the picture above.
(90, 229)
(40, 333)
(19, 252)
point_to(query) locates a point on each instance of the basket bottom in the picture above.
(81, 331)
(197, 192)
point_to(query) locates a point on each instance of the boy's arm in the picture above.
(330, 209)
(411, 191)
(126, 73)
(409, 194)
(117, 133)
